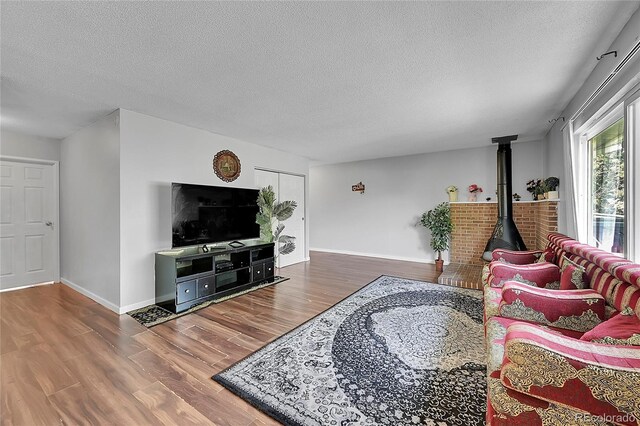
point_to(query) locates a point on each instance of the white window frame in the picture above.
(632, 174)
(597, 126)
(628, 107)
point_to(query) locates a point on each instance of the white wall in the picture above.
(554, 159)
(26, 146)
(398, 190)
(90, 211)
(154, 153)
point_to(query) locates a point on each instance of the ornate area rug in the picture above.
(396, 352)
(153, 314)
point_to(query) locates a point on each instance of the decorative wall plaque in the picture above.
(358, 187)
(226, 165)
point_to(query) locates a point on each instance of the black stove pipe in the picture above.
(505, 234)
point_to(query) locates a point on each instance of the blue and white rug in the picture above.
(396, 352)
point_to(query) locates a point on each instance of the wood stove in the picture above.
(505, 234)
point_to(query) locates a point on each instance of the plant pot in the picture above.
(453, 196)
(552, 195)
(439, 265)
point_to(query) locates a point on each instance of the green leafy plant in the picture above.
(269, 214)
(438, 221)
(551, 183)
(542, 188)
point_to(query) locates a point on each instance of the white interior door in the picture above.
(28, 251)
(288, 187)
(292, 188)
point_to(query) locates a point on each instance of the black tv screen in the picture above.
(203, 214)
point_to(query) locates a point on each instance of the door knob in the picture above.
(49, 223)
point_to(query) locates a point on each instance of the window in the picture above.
(602, 146)
(606, 227)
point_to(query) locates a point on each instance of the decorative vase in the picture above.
(552, 195)
(453, 196)
(473, 197)
(439, 265)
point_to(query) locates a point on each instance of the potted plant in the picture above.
(453, 193)
(438, 221)
(551, 184)
(533, 186)
(271, 212)
(541, 190)
(473, 192)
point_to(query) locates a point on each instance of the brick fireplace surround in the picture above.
(474, 223)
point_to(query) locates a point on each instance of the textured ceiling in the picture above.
(333, 82)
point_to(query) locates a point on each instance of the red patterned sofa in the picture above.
(563, 336)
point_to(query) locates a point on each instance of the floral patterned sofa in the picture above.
(563, 336)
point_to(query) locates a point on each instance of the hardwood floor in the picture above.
(64, 359)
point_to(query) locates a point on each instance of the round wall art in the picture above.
(226, 165)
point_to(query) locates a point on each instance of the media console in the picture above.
(190, 276)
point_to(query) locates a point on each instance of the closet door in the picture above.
(28, 242)
(292, 188)
(288, 187)
(264, 178)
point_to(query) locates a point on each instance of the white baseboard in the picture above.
(27, 286)
(91, 295)
(134, 306)
(377, 255)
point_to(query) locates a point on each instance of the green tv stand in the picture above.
(189, 276)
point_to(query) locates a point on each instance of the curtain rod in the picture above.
(607, 80)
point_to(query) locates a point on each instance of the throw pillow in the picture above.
(622, 329)
(572, 275)
(547, 255)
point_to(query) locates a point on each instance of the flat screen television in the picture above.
(202, 214)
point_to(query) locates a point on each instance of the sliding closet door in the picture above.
(292, 188)
(265, 178)
(288, 187)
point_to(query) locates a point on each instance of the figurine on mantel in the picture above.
(473, 192)
(516, 197)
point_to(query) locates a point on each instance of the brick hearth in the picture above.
(474, 223)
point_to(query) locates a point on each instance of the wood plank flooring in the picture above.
(65, 359)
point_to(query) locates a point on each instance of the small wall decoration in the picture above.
(358, 187)
(226, 165)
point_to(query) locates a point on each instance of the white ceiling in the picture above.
(333, 82)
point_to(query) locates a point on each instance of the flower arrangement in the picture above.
(533, 184)
(452, 188)
(537, 188)
(474, 188)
